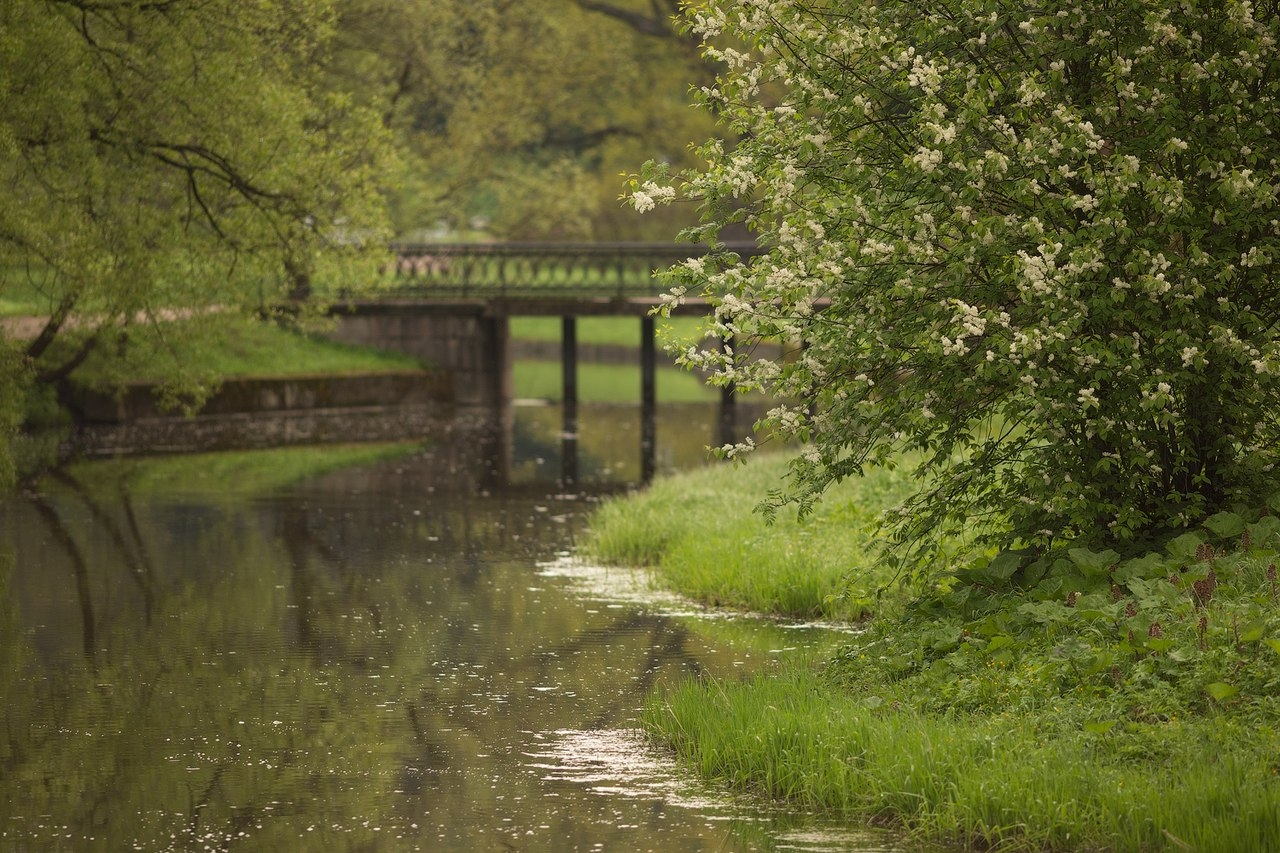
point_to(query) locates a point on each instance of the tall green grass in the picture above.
(988, 781)
(702, 535)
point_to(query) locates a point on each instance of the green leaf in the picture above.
(1001, 641)
(1003, 566)
(1154, 594)
(1093, 563)
(1225, 524)
(1253, 632)
(1221, 691)
(1264, 530)
(1147, 566)
(1184, 547)
(1274, 644)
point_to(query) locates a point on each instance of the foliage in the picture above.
(518, 117)
(1036, 244)
(173, 158)
(1189, 631)
(1021, 702)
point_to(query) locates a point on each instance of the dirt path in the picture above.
(22, 328)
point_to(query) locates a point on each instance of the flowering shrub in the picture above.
(1036, 241)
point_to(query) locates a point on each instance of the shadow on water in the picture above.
(368, 653)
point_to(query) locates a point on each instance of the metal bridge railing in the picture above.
(532, 270)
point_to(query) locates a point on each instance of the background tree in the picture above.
(520, 116)
(171, 158)
(1035, 245)
(167, 159)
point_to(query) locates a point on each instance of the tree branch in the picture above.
(639, 22)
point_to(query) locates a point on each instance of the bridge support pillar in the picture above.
(569, 396)
(463, 341)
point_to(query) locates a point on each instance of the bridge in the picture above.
(449, 304)
(535, 277)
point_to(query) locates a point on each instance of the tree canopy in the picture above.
(171, 157)
(174, 158)
(522, 116)
(1034, 245)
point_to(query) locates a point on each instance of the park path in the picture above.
(22, 328)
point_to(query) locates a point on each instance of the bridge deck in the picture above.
(551, 305)
(516, 274)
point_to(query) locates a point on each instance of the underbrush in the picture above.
(1194, 629)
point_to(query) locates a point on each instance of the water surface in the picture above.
(356, 649)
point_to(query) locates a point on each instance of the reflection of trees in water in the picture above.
(664, 645)
(79, 570)
(289, 659)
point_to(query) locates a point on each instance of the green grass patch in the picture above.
(702, 536)
(249, 472)
(1002, 781)
(264, 349)
(610, 383)
(230, 347)
(1074, 700)
(623, 331)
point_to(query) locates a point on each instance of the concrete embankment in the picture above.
(266, 412)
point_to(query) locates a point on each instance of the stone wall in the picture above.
(461, 340)
(271, 412)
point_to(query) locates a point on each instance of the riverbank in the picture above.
(276, 386)
(1088, 703)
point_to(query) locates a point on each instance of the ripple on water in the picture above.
(615, 584)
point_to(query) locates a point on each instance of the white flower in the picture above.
(927, 159)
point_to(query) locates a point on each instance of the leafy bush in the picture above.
(1191, 630)
(1036, 243)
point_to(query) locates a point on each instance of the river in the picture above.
(356, 648)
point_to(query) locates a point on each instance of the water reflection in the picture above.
(381, 657)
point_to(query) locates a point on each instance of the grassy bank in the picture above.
(236, 348)
(699, 533)
(1083, 701)
(623, 331)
